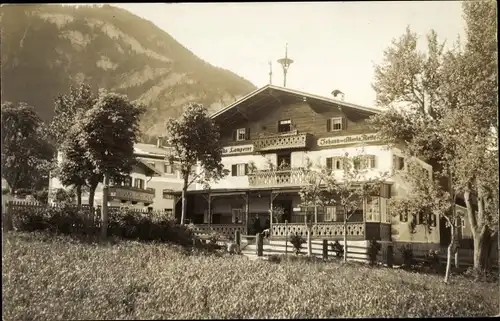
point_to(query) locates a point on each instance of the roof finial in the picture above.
(285, 63)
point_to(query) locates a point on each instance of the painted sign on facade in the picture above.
(132, 195)
(342, 140)
(235, 150)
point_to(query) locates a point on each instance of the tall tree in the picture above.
(456, 132)
(195, 140)
(26, 154)
(68, 109)
(107, 133)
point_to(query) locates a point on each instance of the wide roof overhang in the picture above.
(251, 106)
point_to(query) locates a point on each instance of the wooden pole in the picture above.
(286, 238)
(247, 210)
(325, 249)
(209, 209)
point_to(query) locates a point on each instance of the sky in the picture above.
(334, 45)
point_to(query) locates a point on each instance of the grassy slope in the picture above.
(48, 278)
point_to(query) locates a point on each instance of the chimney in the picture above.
(336, 93)
(159, 142)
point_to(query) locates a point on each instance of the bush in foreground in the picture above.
(58, 278)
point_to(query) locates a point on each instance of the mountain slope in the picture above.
(44, 48)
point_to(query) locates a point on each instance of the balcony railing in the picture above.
(288, 177)
(321, 230)
(292, 140)
(132, 194)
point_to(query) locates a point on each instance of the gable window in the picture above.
(335, 124)
(284, 126)
(330, 214)
(241, 134)
(239, 169)
(139, 183)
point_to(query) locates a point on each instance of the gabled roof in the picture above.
(150, 149)
(149, 168)
(268, 90)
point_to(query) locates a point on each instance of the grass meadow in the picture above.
(54, 277)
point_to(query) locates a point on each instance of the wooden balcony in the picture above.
(291, 140)
(132, 194)
(273, 178)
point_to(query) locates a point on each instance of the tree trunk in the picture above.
(183, 210)
(450, 253)
(345, 235)
(104, 208)
(79, 195)
(481, 246)
(92, 189)
(309, 243)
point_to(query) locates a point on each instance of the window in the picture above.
(239, 170)
(371, 161)
(284, 160)
(399, 163)
(284, 126)
(127, 181)
(330, 214)
(357, 163)
(139, 183)
(241, 134)
(403, 217)
(335, 124)
(168, 168)
(237, 215)
(168, 194)
(373, 209)
(334, 163)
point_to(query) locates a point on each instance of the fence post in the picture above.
(325, 250)
(8, 216)
(390, 255)
(237, 239)
(286, 238)
(260, 244)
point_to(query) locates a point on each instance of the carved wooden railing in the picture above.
(222, 230)
(288, 177)
(282, 141)
(322, 230)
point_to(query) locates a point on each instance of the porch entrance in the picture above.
(287, 210)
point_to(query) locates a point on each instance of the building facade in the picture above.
(148, 186)
(269, 137)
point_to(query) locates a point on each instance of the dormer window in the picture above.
(241, 134)
(284, 126)
(335, 124)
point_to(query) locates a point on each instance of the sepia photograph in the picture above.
(249, 160)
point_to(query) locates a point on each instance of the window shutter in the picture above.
(329, 161)
(328, 125)
(344, 123)
(234, 170)
(235, 133)
(394, 162)
(246, 169)
(247, 135)
(373, 160)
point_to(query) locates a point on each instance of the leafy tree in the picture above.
(194, 138)
(68, 109)
(347, 191)
(452, 129)
(26, 154)
(107, 133)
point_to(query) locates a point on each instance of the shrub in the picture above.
(432, 260)
(373, 250)
(296, 240)
(407, 255)
(337, 248)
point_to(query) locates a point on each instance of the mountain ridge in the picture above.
(45, 48)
